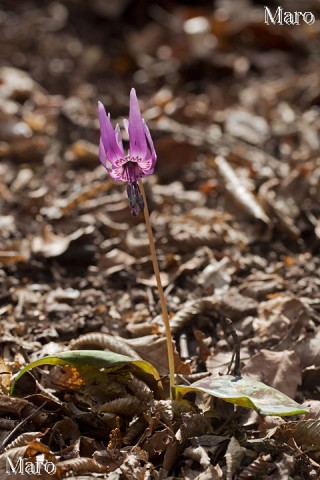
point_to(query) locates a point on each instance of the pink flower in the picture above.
(141, 157)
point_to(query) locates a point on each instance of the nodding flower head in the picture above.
(141, 157)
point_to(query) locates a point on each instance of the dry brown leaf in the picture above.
(151, 281)
(28, 452)
(128, 406)
(136, 466)
(79, 466)
(217, 274)
(244, 199)
(260, 467)
(14, 454)
(203, 342)
(285, 467)
(308, 350)
(103, 341)
(193, 425)
(188, 235)
(24, 439)
(68, 295)
(277, 207)
(305, 432)
(153, 349)
(16, 83)
(115, 261)
(137, 242)
(235, 306)
(140, 390)
(246, 126)
(234, 456)
(5, 377)
(261, 284)
(51, 245)
(211, 443)
(280, 370)
(67, 377)
(12, 405)
(282, 316)
(158, 442)
(189, 309)
(171, 456)
(219, 362)
(63, 433)
(79, 198)
(175, 194)
(135, 429)
(211, 473)
(313, 407)
(198, 454)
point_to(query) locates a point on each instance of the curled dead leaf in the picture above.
(103, 341)
(282, 211)
(280, 370)
(115, 261)
(234, 455)
(244, 198)
(251, 128)
(189, 309)
(52, 245)
(305, 432)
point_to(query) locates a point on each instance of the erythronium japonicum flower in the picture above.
(141, 157)
(131, 167)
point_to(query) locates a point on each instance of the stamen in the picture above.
(139, 197)
(135, 198)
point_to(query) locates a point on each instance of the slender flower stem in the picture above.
(160, 290)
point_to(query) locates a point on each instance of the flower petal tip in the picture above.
(100, 106)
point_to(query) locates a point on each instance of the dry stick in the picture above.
(160, 290)
(230, 330)
(8, 438)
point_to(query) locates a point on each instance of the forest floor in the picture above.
(233, 107)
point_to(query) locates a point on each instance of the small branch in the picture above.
(160, 290)
(230, 330)
(13, 432)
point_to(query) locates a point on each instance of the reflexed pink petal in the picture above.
(121, 162)
(117, 174)
(148, 135)
(102, 154)
(108, 136)
(145, 173)
(118, 138)
(126, 125)
(137, 138)
(146, 164)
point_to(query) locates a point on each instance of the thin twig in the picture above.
(160, 290)
(230, 330)
(8, 438)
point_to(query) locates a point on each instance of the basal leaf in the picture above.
(246, 392)
(109, 361)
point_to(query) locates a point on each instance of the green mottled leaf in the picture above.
(109, 361)
(247, 393)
